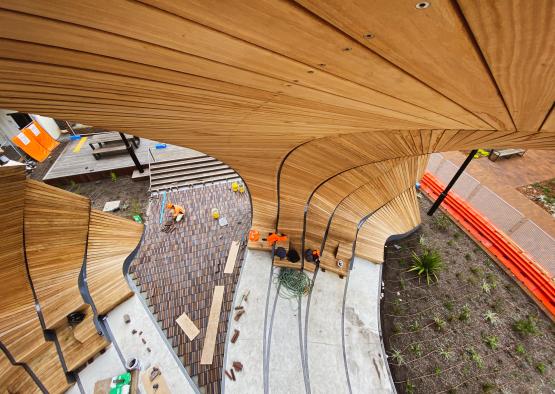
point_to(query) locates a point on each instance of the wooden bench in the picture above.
(506, 153)
(108, 138)
(114, 150)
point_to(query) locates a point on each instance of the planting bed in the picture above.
(474, 330)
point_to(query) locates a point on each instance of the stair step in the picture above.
(137, 176)
(184, 167)
(176, 162)
(155, 178)
(185, 178)
(196, 182)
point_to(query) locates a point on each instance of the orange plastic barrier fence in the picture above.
(536, 280)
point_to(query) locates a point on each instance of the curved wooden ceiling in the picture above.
(293, 95)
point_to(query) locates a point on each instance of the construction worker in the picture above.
(177, 211)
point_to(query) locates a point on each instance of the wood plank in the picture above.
(212, 327)
(517, 39)
(231, 257)
(187, 325)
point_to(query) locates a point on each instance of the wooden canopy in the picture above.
(327, 109)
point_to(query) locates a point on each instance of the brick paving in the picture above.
(178, 271)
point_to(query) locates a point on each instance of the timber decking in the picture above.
(178, 271)
(82, 163)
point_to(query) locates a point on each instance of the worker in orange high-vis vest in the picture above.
(177, 211)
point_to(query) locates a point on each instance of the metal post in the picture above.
(70, 129)
(443, 194)
(132, 153)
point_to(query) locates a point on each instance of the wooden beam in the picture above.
(212, 327)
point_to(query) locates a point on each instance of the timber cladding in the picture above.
(327, 109)
(44, 233)
(292, 95)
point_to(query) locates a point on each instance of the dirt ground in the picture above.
(472, 331)
(542, 193)
(133, 195)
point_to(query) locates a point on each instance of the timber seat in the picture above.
(505, 153)
(109, 150)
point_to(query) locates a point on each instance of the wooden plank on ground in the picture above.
(212, 329)
(231, 257)
(187, 325)
(148, 385)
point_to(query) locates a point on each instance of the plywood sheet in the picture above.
(187, 325)
(212, 327)
(231, 257)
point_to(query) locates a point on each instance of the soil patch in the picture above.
(472, 331)
(542, 193)
(133, 195)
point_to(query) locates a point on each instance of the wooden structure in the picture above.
(45, 232)
(327, 109)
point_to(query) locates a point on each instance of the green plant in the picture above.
(415, 326)
(476, 271)
(397, 328)
(450, 242)
(410, 388)
(397, 356)
(136, 208)
(416, 349)
(491, 317)
(441, 222)
(437, 371)
(486, 287)
(467, 256)
(456, 235)
(113, 176)
(422, 241)
(428, 264)
(402, 284)
(541, 368)
(488, 387)
(474, 356)
(520, 349)
(448, 305)
(464, 315)
(526, 326)
(492, 342)
(439, 322)
(446, 353)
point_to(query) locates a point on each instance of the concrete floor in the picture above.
(325, 361)
(104, 366)
(131, 345)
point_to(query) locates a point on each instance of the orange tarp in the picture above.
(31, 146)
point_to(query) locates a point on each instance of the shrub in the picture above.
(491, 317)
(113, 176)
(448, 305)
(486, 287)
(441, 222)
(465, 313)
(526, 326)
(446, 353)
(541, 368)
(492, 342)
(474, 356)
(439, 322)
(428, 264)
(410, 388)
(416, 349)
(397, 356)
(520, 349)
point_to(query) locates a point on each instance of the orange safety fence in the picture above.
(497, 243)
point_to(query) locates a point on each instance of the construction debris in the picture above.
(237, 366)
(112, 206)
(235, 336)
(228, 374)
(154, 373)
(232, 374)
(126, 318)
(133, 331)
(239, 314)
(239, 307)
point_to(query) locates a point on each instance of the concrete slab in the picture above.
(104, 366)
(368, 372)
(131, 345)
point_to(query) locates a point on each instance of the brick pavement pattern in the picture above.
(178, 271)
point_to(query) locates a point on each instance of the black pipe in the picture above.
(132, 153)
(443, 194)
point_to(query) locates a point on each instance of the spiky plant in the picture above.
(439, 322)
(492, 342)
(446, 353)
(428, 264)
(486, 287)
(526, 326)
(491, 317)
(397, 356)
